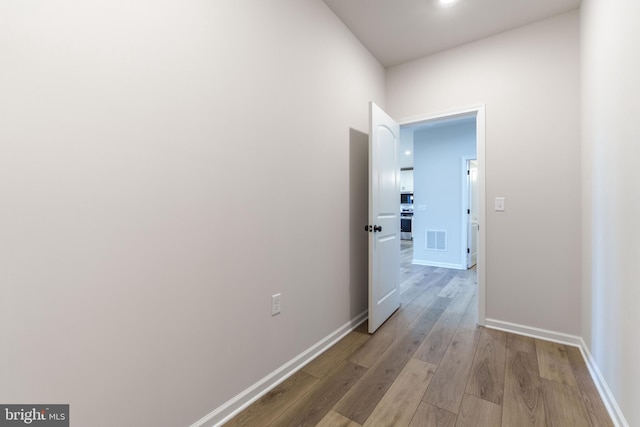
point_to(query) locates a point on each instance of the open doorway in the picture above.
(446, 237)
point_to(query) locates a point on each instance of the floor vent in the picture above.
(436, 240)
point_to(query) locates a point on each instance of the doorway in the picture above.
(472, 227)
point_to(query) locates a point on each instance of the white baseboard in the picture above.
(439, 264)
(528, 331)
(575, 341)
(605, 392)
(232, 407)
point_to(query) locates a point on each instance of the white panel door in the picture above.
(384, 217)
(472, 227)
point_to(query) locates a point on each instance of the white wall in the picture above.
(611, 207)
(438, 180)
(149, 154)
(529, 80)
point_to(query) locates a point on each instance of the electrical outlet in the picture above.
(275, 304)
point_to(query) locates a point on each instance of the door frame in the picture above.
(466, 218)
(479, 111)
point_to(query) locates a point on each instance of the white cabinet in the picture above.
(406, 181)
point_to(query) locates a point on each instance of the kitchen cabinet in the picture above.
(406, 181)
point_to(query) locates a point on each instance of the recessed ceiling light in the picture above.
(407, 152)
(447, 2)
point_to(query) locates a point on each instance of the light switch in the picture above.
(499, 204)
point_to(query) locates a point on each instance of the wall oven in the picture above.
(406, 216)
(406, 225)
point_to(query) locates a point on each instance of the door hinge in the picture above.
(468, 211)
(468, 250)
(468, 172)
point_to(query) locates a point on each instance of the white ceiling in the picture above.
(397, 31)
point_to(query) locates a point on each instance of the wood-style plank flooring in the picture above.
(431, 365)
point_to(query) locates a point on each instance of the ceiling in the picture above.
(397, 31)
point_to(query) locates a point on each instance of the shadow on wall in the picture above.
(358, 216)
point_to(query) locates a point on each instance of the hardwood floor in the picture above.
(431, 365)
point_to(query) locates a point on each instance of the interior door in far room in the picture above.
(384, 217)
(472, 213)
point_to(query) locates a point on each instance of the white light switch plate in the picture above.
(275, 304)
(499, 204)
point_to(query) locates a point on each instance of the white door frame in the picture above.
(479, 111)
(466, 218)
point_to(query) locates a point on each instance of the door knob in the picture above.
(377, 228)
